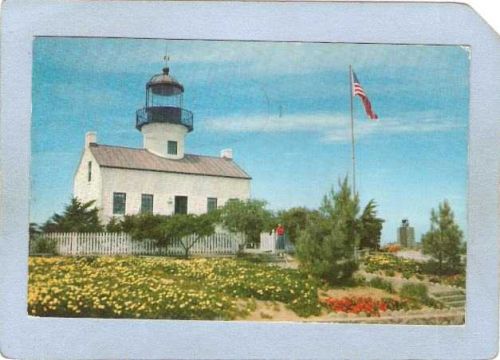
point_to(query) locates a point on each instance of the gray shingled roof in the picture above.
(141, 159)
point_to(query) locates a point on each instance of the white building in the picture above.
(159, 178)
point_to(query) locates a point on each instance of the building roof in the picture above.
(142, 159)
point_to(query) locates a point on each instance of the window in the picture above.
(211, 204)
(89, 175)
(147, 203)
(119, 200)
(181, 204)
(172, 147)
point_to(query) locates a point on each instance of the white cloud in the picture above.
(332, 127)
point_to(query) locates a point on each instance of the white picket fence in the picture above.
(122, 244)
(268, 242)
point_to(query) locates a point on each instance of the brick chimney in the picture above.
(227, 154)
(90, 138)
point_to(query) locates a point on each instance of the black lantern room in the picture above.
(164, 103)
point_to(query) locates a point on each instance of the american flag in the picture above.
(358, 90)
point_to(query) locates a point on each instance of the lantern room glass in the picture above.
(164, 103)
(157, 98)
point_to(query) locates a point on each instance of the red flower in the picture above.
(355, 305)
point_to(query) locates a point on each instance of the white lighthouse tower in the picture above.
(163, 122)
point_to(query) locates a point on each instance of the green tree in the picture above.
(294, 220)
(249, 217)
(114, 225)
(165, 229)
(371, 227)
(189, 228)
(77, 217)
(34, 230)
(326, 248)
(144, 226)
(443, 240)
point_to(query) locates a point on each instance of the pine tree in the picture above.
(77, 217)
(371, 227)
(326, 248)
(443, 240)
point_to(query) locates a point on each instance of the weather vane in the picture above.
(166, 58)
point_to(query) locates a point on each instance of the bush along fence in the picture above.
(80, 244)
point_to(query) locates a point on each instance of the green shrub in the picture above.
(414, 291)
(389, 273)
(455, 280)
(382, 284)
(418, 293)
(407, 274)
(43, 245)
(256, 258)
(359, 279)
(369, 269)
(431, 267)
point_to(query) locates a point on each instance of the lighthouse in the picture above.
(163, 122)
(161, 177)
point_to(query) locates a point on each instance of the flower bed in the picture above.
(364, 305)
(390, 264)
(392, 248)
(139, 287)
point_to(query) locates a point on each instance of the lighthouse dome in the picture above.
(164, 84)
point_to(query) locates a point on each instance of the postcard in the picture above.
(239, 194)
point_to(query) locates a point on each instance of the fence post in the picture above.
(72, 248)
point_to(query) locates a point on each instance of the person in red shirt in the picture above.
(280, 232)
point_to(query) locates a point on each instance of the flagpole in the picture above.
(352, 136)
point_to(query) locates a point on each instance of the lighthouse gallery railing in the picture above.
(164, 114)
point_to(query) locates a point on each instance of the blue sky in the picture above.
(282, 107)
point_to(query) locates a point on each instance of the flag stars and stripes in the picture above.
(357, 90)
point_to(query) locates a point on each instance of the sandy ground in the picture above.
(357, 291)
(275, 311)
(412, 255)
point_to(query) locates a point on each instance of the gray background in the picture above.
(27, 337)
